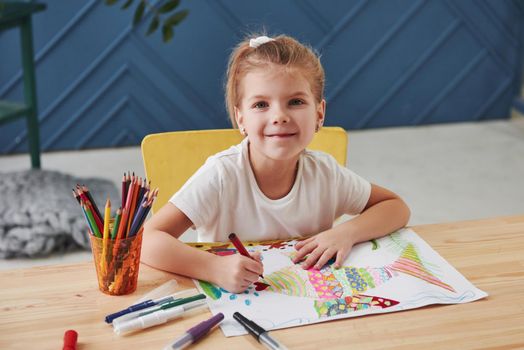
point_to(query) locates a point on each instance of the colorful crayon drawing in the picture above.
(339, 306)
(330, 283)
(387, 275)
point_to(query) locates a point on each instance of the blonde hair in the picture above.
(282, 50)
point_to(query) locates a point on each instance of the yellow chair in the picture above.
(170, 158)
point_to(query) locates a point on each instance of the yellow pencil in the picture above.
(107, 218)
(105, 235)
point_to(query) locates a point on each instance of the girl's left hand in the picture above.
(323, 247)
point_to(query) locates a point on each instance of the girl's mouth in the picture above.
(281, 135)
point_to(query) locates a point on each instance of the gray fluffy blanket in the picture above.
(39, 216)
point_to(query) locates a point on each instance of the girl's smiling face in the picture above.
(279, 113)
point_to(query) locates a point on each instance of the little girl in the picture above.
(269, 186)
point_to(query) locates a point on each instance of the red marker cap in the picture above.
(70, 337)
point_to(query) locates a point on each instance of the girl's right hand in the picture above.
(236, 272)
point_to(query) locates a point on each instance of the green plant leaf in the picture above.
(176, 18)
(153, 25)
(168, 6)
(139, 12)
(111, 2)
(126, 4)
(167, 33)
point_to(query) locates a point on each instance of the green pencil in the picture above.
(96, 232)
(87, 219)
(116, 223)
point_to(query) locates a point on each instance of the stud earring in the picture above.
(243, 131)
(317, 128)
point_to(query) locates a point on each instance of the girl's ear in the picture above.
(321, 112)
(238, 118)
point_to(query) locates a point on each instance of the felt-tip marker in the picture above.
(193, 334)
(136, 307)
(240, 247)
(166, 304)
(156, 318)
(258, 332)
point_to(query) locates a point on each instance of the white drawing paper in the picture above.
(393, 273)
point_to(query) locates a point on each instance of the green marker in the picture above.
(176, 302)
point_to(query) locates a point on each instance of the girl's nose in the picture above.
(279, 117)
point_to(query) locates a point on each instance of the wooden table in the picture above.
(37, 305)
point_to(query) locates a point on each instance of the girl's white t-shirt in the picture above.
(223, 197)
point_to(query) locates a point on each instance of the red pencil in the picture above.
(93, 204)
(240, 247)
(88, 204)
(122, 230)
(136, 189)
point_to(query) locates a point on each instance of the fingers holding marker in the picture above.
(241, 249)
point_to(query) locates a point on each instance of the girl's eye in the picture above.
(296, 102)
(260, 105)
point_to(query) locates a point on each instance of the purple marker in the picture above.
(195, 333)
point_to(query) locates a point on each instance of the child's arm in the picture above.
(385, 212)
(162, 249)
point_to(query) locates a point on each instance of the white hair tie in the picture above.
(259, 41)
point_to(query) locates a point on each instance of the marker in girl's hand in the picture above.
(240, 247)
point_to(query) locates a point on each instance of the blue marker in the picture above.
(140, 306)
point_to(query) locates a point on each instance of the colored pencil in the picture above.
(137, 199)
(116, 223)
(143, 217)
(140, 196)
(77, 197)
(88, 194)
(140, 184)
(122, 225)
(128, 182)
(136, 188)
(105, 235)
(107, 218)
(125, 215)
(148, 205)
(83, 197)
(89, 224)
(96, 232)
(124, 190)
(137, 219)
(120, 235)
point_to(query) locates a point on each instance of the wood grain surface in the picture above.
(38, 305)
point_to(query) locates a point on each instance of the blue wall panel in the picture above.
(102, 83)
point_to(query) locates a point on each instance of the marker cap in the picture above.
(249, 325)
(148, 320)
(70, 337)
(202, 328)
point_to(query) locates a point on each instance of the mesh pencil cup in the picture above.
(117, 263)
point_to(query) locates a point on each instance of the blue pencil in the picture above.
(136, 220)
(144, 216)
